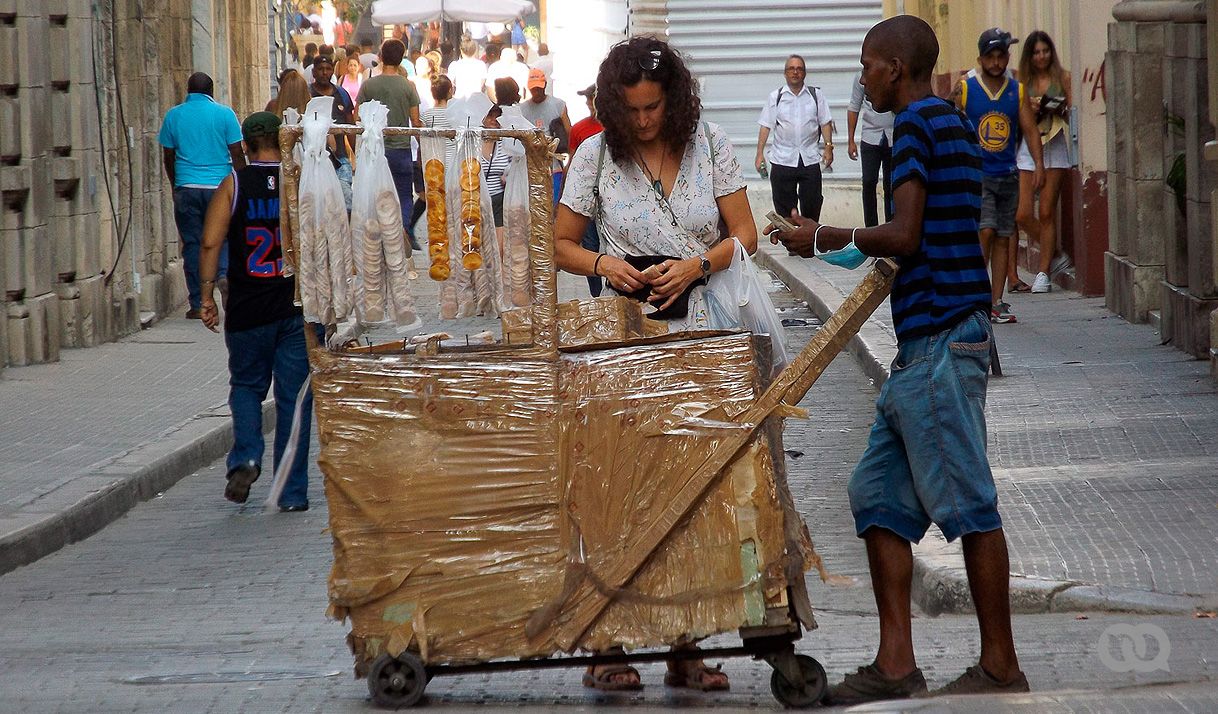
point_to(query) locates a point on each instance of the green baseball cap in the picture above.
(260, 124)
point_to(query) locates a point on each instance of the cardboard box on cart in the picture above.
(467, 492)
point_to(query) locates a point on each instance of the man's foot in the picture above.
(870, 685)
(239, 481)
(976, 680)
(1000, 312)
(294, 508)
(613, 678)
(1042, 284)
(694, 674)
(1019, 286)
(194, 313)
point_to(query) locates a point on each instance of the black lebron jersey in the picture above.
(258, 291)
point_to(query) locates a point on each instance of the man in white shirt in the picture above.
(507, 65)
(798, 117)
(545, 61)
(877, 150)
(468, 74)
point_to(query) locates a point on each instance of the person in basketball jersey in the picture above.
(263, 327)
(1000, 114)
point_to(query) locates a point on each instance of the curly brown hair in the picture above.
(629, 63)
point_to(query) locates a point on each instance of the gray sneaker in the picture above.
(975, 680)
(870, 685)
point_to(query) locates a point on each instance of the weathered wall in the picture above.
(88, 246)
(1162, 246)
(1211, 156)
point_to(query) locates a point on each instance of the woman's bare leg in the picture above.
(1049, 195)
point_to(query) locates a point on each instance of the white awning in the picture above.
(393, 12)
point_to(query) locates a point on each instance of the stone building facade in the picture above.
(88, 247)
(1161, 261)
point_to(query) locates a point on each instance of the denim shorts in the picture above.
(925, 460)
(999, 200)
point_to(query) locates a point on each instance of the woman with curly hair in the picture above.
(664, 187)
(667, 194)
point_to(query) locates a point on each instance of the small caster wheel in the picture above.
(807, 693)
(395, 683)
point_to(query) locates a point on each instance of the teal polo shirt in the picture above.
(199, 130)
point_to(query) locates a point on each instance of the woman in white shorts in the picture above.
(1048, 86)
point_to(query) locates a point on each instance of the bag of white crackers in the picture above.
(324, 235)
(378, 235)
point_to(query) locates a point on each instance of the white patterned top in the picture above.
(634, 220)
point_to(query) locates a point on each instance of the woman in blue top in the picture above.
(519, 43)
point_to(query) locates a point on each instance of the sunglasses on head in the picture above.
(650, 61)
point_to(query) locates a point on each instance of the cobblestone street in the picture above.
(192, 604)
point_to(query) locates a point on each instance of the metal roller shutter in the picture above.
(737, 50)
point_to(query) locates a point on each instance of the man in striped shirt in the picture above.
(925, 460)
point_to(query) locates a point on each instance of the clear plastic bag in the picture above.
(738, 299)
(324, 233)
(432, 150)
(517, 275)
(383, 291)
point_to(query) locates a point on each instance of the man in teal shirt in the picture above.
(202, 146)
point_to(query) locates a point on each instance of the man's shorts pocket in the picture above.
(970, 343)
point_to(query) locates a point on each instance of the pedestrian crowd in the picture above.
(651, 203)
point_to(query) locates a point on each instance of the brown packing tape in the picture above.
(456, 483)
(585, 322)
(699, 474)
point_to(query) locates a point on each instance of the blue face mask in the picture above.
(849, 257)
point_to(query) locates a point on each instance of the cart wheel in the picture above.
(807, 693)
(397, 682)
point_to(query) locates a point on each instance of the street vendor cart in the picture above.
(586, 482)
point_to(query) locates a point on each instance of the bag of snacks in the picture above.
(324, 235)
(379, 236)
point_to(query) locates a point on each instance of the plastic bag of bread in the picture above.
(432, 155)
(517, 276)
(379, 236)
(325, 234)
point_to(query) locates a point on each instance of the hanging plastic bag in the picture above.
(379, 236)
(325, 234)
(518, 278)
(737, 299)
(432, 150)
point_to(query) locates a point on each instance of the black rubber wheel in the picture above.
(807, 693)
(395, 683)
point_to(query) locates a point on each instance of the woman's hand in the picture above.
(620, 275)
(674, 277)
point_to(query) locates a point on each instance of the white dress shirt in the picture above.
(794, 121)
(875, 125)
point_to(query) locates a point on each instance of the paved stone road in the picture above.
(191, 604)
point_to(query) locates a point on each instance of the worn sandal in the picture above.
(1020, 287)
(605, 681)
(700, 678)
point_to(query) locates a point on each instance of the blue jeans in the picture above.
(344, 177)
(189, 207)
(255, 356)
(925, 459)
(401, 167)
(592, 241)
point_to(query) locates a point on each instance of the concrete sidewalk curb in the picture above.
(940, 583)
(90, 501)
